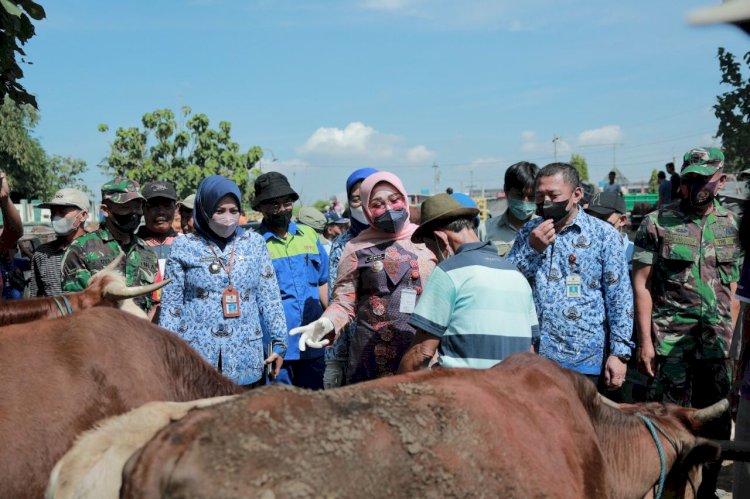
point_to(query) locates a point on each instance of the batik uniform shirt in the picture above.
(578, 333)
(192, 308)
(301, 266)
(92, 252)
(340, 348)
(694, 262)
(369, 287)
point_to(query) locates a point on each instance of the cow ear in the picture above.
(702, 451)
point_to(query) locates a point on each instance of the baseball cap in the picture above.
(68, 197)
(159, 189)
(333, 218)
(702, 160)
(188, 202)
(121, 190)
(606, 203)
(312, 217)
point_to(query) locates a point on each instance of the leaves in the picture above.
(579, 163)
(733, 111)
(15, 30)
(181, 153)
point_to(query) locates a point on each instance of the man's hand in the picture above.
(313, 334)
(542, 236)
(647, 359)
(4, 189)
(277, 360)
(614, 372)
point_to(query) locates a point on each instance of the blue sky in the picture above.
(332, 85)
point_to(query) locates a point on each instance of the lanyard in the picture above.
(228, 270)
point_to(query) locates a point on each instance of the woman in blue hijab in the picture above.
(224, 292)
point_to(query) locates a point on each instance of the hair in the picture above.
(521, 176)
(661, 175)
(449, 190)
(569, 174)
(613, 173)
(669, 165)
(456, 224)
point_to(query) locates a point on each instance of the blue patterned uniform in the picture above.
(340, 349)
(574, 330)
(192, 304)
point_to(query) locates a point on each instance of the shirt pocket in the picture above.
(677, 262)
(313, 264)
(727, 261)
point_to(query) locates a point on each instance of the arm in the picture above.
(644, 258)
(75, 273)
(342, 308)
(323, 276)
(12, 224)
(172, 296)
(36, 286)
(523, 255)
(735, 306)
(420, 353)
(268, 298)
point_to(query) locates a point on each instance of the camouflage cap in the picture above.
(121, 190)
(703, 161)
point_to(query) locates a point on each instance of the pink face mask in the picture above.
(224, 224)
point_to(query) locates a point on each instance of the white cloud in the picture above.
(402, 6)
(605, 135)
(419, 154)
(360, 142)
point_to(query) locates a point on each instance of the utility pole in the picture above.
(471, 181)
(435, 177)
(555, 140)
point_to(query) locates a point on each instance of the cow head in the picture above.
(684, 443)
(109, 288)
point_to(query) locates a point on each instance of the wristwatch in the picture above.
(624, 358)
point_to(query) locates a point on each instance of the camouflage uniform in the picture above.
(694, 260)
(92, 252)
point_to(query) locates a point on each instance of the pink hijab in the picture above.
(373, 235)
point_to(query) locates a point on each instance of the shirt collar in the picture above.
(473, 246)
(267, 233)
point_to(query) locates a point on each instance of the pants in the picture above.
(304, 373)
(698, 383)
(741, 480)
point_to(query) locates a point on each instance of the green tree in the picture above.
(653, 183)
(182, 153)
(32, 174)
(579, 163)
(321, 204)
(733, 111)
(15, 30)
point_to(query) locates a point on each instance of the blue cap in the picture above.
(464, 199)
(358, 176)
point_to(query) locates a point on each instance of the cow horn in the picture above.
(124, 292)
(712, 411)
(114, 263)
(734, 451)
(604, 400)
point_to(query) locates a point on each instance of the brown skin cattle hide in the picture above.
(526, 428)
(58, 377)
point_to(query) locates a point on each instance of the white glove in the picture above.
(312, 335)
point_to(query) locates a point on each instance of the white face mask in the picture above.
(64, 225)
(359, 215)
(224, 225)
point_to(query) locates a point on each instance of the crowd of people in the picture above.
(361, 292)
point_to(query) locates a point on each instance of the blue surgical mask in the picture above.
(522, 210)
(391, 221)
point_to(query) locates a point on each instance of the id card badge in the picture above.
(230, 302)
(408, 301)
(573, 286)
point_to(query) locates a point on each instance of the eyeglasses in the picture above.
(392, 201)
(277, 206)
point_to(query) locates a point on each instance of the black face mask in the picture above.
(125, 223)
(701, 194)
(279, 220)
(554, 210)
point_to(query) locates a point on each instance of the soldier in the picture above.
(122, 206)
(685, 270)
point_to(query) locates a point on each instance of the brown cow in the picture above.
(107, 288)
(526, 428)
(72, 372)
